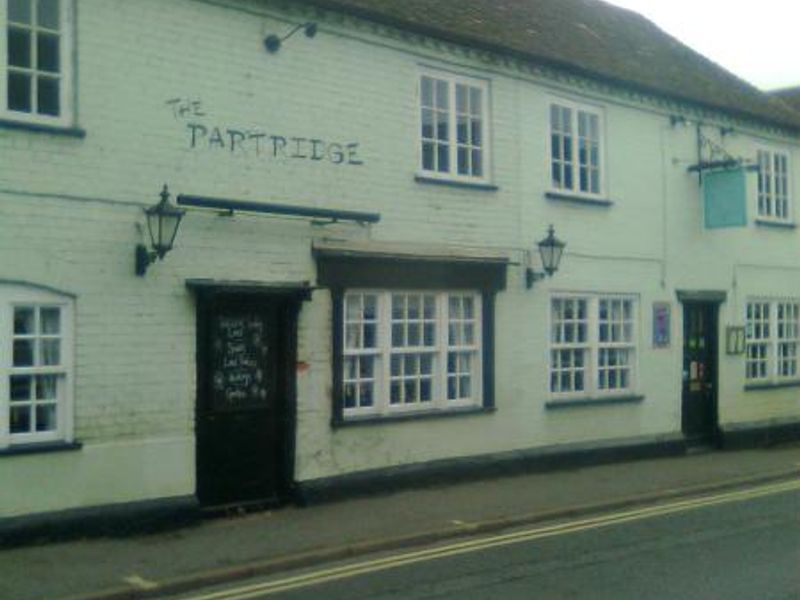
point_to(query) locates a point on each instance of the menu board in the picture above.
(239, 357)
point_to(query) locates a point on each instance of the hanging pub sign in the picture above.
(725, 198)
(661, 324)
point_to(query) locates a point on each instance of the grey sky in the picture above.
(758, 41)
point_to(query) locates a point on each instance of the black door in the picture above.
(699, 414)
(241, 400)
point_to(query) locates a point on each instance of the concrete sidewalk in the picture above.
(225, 549)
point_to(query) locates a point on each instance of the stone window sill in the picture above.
(41, 448)
(473, 185)
(578, 199)
(63, 130)
(776, 224)
(771, 385)
(412, 416)
(594, 401)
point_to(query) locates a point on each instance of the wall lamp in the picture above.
(163, 219)
(273, 43)
(550, 251)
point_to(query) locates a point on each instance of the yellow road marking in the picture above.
(408, 558)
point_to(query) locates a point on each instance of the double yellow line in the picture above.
(409, 558)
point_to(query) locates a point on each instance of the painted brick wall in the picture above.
(70, 215)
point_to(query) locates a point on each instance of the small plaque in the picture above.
(661, 324)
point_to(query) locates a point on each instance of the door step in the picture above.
(232, 509)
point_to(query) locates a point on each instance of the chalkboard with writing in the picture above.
(239, 360)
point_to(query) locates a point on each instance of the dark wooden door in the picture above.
(699, 414)
(241, 401)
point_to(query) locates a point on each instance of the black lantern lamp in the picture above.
(163, 219)
(550, 250)
(273, 43)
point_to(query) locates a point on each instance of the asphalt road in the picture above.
(733, 547)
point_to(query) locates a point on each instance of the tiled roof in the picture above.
(790, 96)
(589, 37)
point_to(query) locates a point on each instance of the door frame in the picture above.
(712, 300)
(287, 299)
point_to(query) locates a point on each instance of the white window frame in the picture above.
(66, 74)
(773, 342)
(453, 80)
(774, 185)
(20, 296)
(593, 346)
(576, 108)
(440, 350)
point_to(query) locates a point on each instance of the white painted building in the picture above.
(386, 328)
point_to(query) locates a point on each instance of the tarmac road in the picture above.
(735, 545)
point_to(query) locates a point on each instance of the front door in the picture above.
(241, 400)
(699, 414)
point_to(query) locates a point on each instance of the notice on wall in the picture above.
(661, 324)
(239, 357)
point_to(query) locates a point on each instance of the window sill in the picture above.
(594, 401)
(411, 416)
(42, 448)
(473, 185)
(577, 199)
(776, 224)
(771, 385)
(66, 131)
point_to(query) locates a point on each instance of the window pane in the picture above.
(442, 95)
(427, 124)
(24, 321)
(475, 101)
(20, 419)
(19, 92)
(20, 387)
(365, 394)
(463, 161)
(427, 156)
(443, 156)
(369, 336)
(426, 91)
(23, 353)
(19, 11)
(46, 417)
(50, 352)
(461, 98)
(47, 53)
(50, 321)
(47, 98)
(47, 14)
(19, 47)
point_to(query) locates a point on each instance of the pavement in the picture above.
(235, 547)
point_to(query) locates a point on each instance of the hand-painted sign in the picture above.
(258, 142)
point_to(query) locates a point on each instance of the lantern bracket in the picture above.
(163, 220)
(550, 250)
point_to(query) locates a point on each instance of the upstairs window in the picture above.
(35, 58)
(773, 186)
(575, 149)
(453, 119)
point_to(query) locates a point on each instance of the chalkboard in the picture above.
(239, 357)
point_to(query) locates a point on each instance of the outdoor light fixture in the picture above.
(163, 219)
(273, 43)
(550, 250)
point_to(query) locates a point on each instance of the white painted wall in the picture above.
(70, 215)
